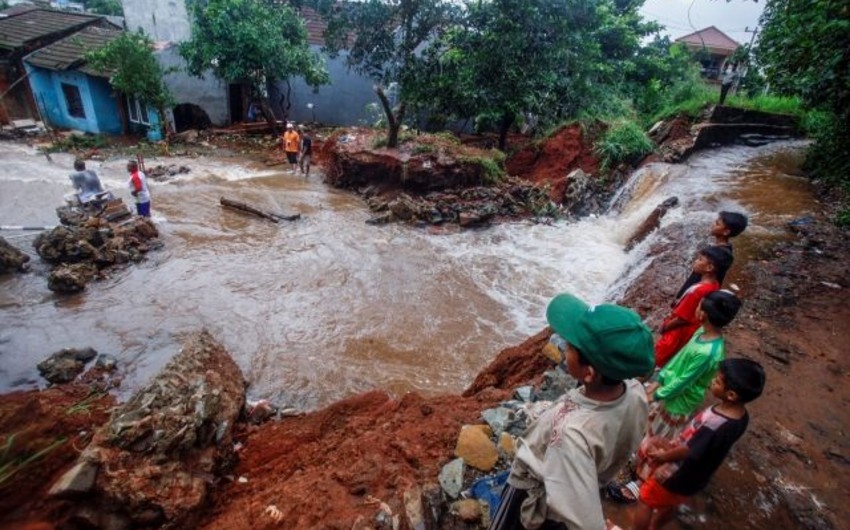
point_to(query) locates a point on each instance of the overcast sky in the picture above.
(732, 18)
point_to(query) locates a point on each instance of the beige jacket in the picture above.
(577, 446)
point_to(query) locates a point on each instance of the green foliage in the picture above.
(134, 70)
(257, 41)
(624, 141)
(77, 142)
(11, 463)
(384, 40)
(105, 7)
(769, 103)
(491, 167)
(803, 52)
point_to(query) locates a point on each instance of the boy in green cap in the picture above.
(580, 443)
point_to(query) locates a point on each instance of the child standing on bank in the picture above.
(587, 435)
(680, 387)
(676, 330)
(685, 467)
(725, 227)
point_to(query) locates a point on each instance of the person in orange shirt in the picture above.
(291, 146)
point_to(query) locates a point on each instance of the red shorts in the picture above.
(656, 497)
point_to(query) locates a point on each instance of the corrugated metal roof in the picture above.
(710, 37)
(18, 30)
(69, 53)
(17, 10)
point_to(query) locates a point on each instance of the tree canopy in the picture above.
(803, 51)
(384, 40)
(251, 41)
(133, 69)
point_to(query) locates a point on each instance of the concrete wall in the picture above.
(209, 93)
(343, 102)
(100, 103)
(163, 20)
(167, 21)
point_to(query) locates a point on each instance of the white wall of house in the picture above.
(167, 22)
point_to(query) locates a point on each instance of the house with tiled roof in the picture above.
(71, 94)
(22, 34)
(711, 47)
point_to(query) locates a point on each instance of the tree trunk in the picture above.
(394, 118)
(271, 216)
(268, 114)
(504, 127)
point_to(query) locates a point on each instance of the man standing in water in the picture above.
(85, 181)
(306, 152)
(291, 145)
(139, 189)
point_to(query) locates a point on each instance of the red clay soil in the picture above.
(551, 161)
(65, 415)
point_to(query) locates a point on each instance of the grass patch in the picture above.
(76, 142)
(84, 405)
(492, 170)
(11, 463)
(624, 141)
(768, 103)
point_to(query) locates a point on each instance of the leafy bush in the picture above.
(624, 141)
(77, 142)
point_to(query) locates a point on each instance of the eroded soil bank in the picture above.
(334, 467)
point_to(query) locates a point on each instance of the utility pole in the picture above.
(746, 68)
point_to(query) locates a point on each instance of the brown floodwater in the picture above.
(326, 306)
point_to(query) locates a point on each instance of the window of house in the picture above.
(74, 101)
(137, 111)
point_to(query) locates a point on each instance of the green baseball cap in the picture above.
(612, 338)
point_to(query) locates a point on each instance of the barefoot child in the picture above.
(684, 468)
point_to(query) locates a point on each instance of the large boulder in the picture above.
(11, 259)
(155, 460)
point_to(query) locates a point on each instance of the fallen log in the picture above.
(652, 222)
(271, 216)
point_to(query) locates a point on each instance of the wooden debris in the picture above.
(271, 216)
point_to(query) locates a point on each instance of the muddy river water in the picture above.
(321, 308)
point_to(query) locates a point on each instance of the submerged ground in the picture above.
(324, 469)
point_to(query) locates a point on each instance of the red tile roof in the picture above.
(710, 38)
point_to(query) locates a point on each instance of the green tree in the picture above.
(385, 40)
(133, 70)
(105, 7)
(802, 50)
(251, 41)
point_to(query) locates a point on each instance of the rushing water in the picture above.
(327, 306)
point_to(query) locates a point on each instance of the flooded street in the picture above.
(321, 308)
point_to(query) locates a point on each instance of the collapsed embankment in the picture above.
(374, 454)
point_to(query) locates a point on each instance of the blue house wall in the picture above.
(101, 103)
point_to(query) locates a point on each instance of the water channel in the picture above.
(327, 306)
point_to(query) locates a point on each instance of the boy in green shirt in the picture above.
(680, 386)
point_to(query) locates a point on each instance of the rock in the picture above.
(11, 259)
(71, 278)
(469, 510)
(164, 447)
(498, 419)
(403, 208)
(106, 362)
(415, 517)
(65, 365)
(525, 393)
(476, 448)
(507, 445)
(652, 222)
(451, 478)
(79, 479)
(468, 218)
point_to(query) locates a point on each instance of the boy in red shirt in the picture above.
(676, 330)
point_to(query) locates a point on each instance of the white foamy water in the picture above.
(326, 306)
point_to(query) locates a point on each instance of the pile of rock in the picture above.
(153, 463)
(88, 245)
(484, 452)
(465, 206)
(12, 259)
